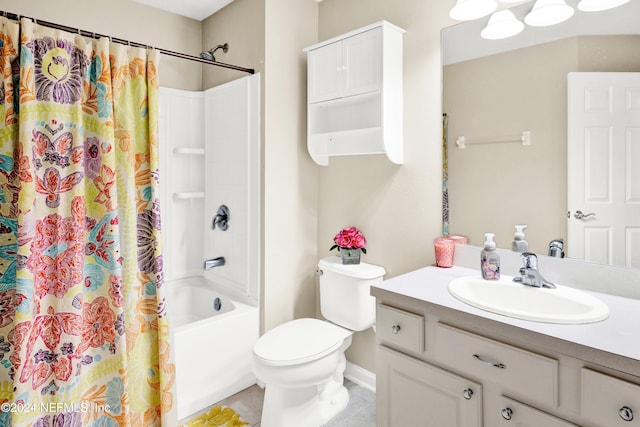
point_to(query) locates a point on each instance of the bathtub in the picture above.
(213, 338)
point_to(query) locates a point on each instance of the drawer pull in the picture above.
(395, 329)
(491, 364)
(626, 413)
(467, 394)
(506, 413)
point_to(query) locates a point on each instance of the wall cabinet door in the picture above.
(348, 67)
(415, 393)
(362, 63)
(325, 71)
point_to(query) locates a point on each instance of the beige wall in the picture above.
(130, 21)
(290, 185)
(242, 25)
(397, 207)
(493, 187)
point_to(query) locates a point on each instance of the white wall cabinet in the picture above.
(346, 67)
(355, 94)
(452, 375)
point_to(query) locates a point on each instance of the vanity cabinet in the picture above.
(610, 401)
(354, 94)
(437, 368)
(418, 393)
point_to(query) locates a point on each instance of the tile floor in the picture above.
(360, 412)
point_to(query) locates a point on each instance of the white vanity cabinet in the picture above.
(439, 366)
(354, 91)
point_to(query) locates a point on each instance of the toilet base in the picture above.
(303, 407)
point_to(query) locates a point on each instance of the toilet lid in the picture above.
(299, 341)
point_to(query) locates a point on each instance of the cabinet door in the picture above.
(324, 73)
(516, 414)
(362, 62)
(414, 393)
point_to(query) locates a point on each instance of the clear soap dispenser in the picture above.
(519, 244)
(489, 259)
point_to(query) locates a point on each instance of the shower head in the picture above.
(209, 54)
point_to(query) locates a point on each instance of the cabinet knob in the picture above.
(467, 394)
(626, 413)
(506, 413)
(395, 329)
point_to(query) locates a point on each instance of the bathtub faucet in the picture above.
(214, 262)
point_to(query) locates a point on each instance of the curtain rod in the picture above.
(93, 35)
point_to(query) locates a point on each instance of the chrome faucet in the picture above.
(556, 248)
(214, 262)
(529, 274)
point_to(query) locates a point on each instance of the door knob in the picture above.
(580, 215)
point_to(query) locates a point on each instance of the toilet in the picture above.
(302, 362)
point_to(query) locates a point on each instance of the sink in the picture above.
(560, 305)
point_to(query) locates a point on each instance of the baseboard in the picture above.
(360, 376)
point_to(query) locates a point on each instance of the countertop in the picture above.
(619, 334)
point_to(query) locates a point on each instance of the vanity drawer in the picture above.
(514, 413)
(521, 372)
(400, 328)
(609, 401)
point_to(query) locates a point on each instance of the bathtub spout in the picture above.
(214, 262)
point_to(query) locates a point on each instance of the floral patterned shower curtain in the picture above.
(83, 330)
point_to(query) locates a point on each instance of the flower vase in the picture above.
(350, 256)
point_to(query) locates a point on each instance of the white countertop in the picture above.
(619, 334)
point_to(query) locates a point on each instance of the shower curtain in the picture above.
(84, 336)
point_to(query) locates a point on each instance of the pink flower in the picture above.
(350, 238)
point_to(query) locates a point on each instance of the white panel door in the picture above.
(603, 174)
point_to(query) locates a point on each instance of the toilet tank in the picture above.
(345, 297)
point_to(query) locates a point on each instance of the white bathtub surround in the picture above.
(212, 348)
(210, 156)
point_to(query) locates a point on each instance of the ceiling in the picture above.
(196, 9)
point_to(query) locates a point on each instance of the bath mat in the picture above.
(221, 416)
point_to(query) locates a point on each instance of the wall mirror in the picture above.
(494, 90)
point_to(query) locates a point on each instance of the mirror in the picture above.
(494, 90)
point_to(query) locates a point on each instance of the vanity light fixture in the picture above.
(598, 5)
(467, 10)
(501, 25)
(548, 12)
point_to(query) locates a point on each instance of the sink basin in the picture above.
(560, 305)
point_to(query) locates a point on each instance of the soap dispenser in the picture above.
(519, 244)
(489, 259)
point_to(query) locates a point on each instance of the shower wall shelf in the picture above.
(185, 150)
(188, 195)
(354, 91)
(524, 139)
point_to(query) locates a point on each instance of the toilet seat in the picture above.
(299, 341)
